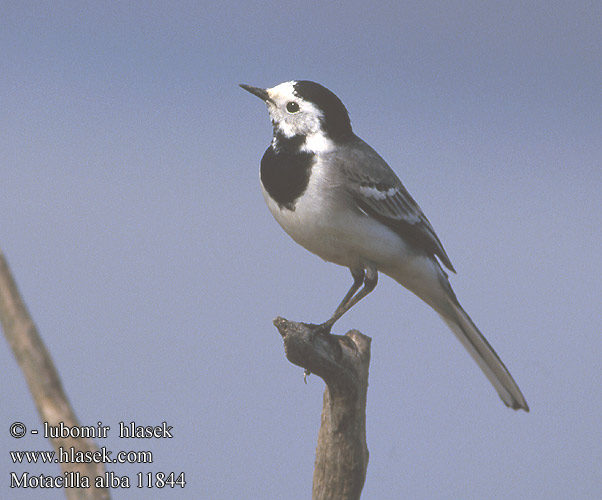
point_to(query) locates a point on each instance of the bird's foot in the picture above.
(322, 329)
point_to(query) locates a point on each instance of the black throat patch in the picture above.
(285, 170)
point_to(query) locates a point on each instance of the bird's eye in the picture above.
(292, 107)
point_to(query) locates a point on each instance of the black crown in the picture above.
(335, 121)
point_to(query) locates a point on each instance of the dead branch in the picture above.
(44, 382)
(342, 362)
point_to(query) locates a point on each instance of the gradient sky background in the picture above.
(132, 218)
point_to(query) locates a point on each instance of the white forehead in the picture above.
(282, 92)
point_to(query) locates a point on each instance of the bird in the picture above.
(337, 197)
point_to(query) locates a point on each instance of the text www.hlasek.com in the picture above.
(70, 455)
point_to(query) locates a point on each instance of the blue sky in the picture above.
(131, 215)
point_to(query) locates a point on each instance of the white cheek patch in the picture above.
(287, 129)
(377, 194)
(282, 121)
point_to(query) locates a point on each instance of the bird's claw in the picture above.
(321, 329)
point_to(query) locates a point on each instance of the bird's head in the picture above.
(307, 112)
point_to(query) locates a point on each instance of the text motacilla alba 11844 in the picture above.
(335, 196)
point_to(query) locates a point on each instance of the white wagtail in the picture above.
(335, 196)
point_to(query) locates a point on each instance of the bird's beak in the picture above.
(261, 93)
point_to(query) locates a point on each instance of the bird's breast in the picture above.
(325, 221)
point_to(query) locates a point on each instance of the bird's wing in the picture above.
(379, 193)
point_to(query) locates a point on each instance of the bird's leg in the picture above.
(358, 279)
(370, 279)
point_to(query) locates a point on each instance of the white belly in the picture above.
(325, 223)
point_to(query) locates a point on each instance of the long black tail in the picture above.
(429, 282)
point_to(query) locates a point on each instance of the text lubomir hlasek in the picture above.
(130, 430)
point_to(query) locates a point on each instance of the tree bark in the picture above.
(342, 362)
(44, 382)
